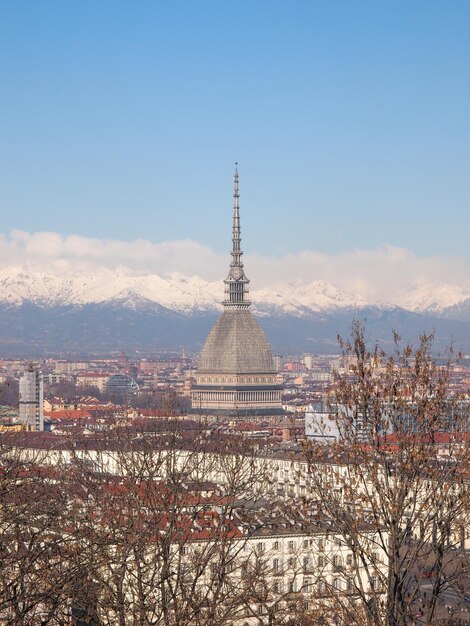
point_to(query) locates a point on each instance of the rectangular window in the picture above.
(291, 546)
(337, 561)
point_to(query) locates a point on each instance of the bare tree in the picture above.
(385, 469)
(161, 536)
(38, 564)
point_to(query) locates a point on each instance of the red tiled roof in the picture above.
(68, 414)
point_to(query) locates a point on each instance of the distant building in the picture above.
(122, 387)
(318, 375)
(293, 366)
(319, 426)
(32, 399)
(237, 374)
(68, 367)
(93, 379)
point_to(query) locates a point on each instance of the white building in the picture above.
(32, 399)
(319, 426)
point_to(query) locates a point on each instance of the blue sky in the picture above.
(350, 122)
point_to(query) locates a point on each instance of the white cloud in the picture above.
(74, 253)
(385, 273)
(382, 274)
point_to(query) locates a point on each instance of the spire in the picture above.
(236, 283)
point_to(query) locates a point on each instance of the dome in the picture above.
(236, 345)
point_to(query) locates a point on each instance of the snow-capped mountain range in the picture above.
(107, 310)
(189, 294)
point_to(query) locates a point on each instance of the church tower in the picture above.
(236, 375)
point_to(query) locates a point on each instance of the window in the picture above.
(307, 586)
(306, 563)
(276, 565)
(292, 586)
(260, 548)
(291, 546)
(305, 543)
(214, 568)
(321, 561)
(336, 583)
(321, 586)
(349, 560)
(337, 561)
(373, 582)
(276, 545)
(321, 544)
(350, 584)
(260, 609)
(291, 562)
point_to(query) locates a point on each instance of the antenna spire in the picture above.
(236, 283)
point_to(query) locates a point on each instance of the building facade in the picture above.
(237, 375)
(31, 404)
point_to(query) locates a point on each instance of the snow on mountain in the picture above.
(299, 298)
(18, 284)
(432, 297)
(187, 294)
(176, 292)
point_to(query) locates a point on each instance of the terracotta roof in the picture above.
(67, 414)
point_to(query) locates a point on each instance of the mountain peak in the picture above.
(187, 294)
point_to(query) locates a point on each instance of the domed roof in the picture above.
(236, 345)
